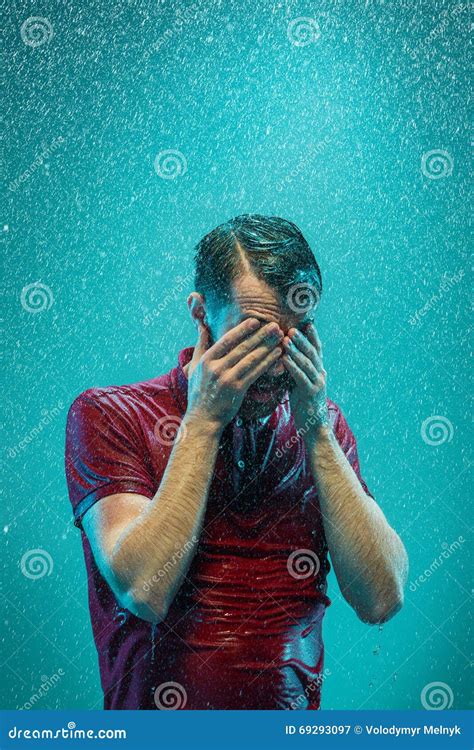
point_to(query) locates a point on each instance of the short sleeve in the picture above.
(104, 454)
(348, 443)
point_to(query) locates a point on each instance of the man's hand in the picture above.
(304, 361)
(220, 375)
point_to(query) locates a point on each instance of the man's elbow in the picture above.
(383, 609)
(145, 607)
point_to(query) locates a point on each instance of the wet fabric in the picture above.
(245, 628)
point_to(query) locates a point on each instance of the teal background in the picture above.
(111, 240)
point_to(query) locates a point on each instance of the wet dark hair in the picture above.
(274, 248)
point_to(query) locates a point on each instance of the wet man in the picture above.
(211, 497)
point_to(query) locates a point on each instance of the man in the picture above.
(210, 497)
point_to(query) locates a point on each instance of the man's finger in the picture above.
(313, 337)
(263, 339)
(303, 344)
(261, 367)
(301, 360)
(233, 337)
(298, 375)
(308, 348)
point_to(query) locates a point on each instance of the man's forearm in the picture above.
(368, 556)
(152, 557)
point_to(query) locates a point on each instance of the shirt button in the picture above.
(241, 464)
(238, 422)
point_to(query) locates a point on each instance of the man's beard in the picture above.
(265, 394)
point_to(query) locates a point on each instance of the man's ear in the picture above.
(197, 309)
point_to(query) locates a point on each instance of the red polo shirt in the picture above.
(244, 630)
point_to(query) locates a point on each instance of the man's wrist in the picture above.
(319, 434)
(200, 426)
